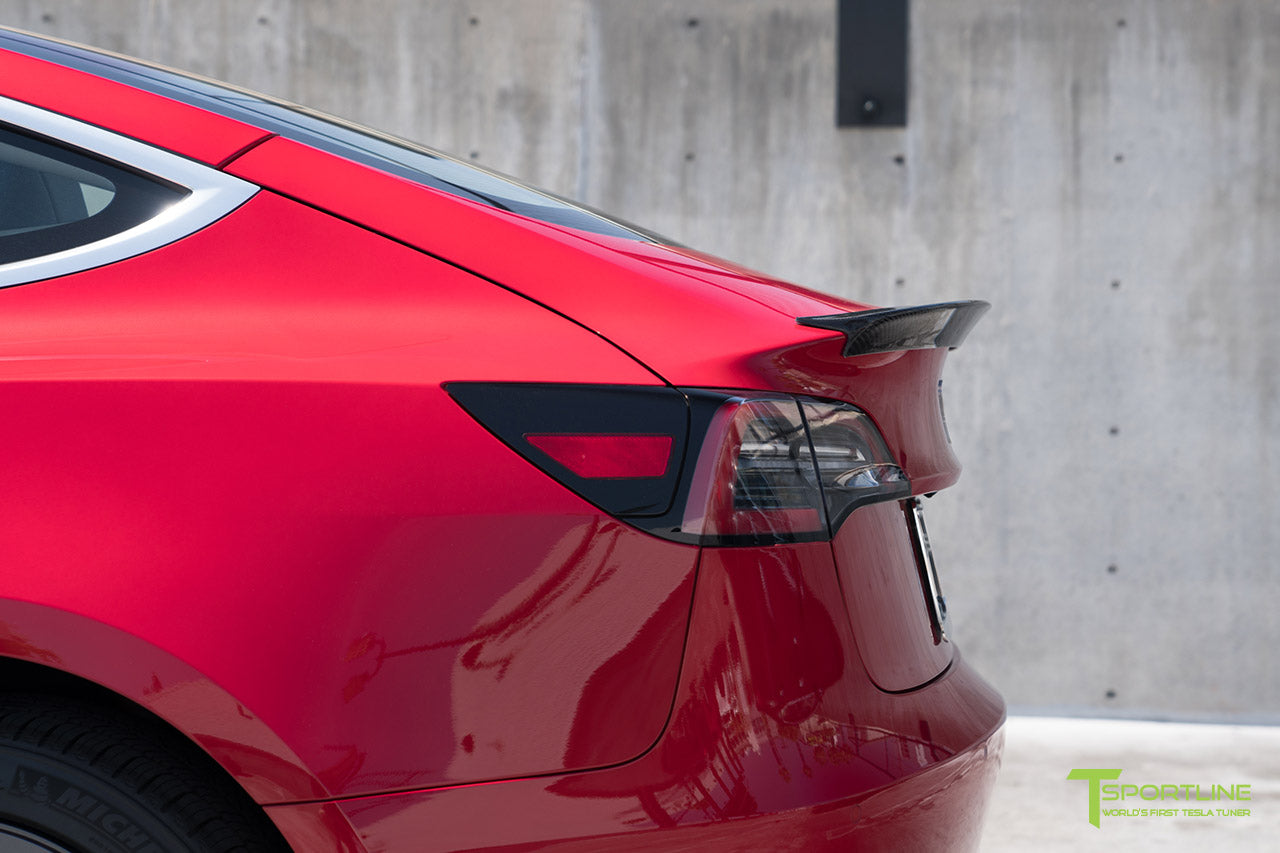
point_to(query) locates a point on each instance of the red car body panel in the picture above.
(664, 311)
(765, 732)
(238, 495)
(875, 562)
(241, 459)
(693, 321)
(183, 129)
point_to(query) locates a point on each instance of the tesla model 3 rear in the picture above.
(359, 499)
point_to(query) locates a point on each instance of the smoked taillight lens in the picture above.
(755, 480)
(699, 466)
(854, 465)
(777, 469)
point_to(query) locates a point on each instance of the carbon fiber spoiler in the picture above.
(943, 324)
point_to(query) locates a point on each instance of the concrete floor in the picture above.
(1036, 808)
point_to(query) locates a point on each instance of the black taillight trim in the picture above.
(511, 411)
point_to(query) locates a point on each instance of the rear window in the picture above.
(345, 139)
(53, 198)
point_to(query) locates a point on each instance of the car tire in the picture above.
(82, 779)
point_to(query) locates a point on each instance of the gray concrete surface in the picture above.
(1105, 172)
(1037, 808)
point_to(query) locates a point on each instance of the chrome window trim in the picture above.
(213, 194)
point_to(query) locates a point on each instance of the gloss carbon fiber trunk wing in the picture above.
(943, 324)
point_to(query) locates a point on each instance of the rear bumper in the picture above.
(778, 740)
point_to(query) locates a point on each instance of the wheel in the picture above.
(82, 779)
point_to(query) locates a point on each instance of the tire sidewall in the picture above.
(77, 808)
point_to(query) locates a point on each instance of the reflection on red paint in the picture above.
(887, 600)
(771, 741)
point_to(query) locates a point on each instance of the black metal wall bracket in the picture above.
(871, 62)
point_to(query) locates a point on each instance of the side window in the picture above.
(53, 198)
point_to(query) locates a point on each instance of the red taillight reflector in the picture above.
(605, 456)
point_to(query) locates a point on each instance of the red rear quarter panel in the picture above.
(778, 741)
(695, 320)
(658, 312)
(236, 449)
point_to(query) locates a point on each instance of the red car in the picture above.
(357, 499)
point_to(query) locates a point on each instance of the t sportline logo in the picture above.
(1187, 794)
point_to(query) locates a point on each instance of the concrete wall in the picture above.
(1106, 173)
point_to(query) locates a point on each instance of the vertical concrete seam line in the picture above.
(588, 67)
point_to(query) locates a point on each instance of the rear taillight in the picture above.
(607, 456)
(854, 465)
(620, 447)
(755, 479)
(697, 466)
(777, 469)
